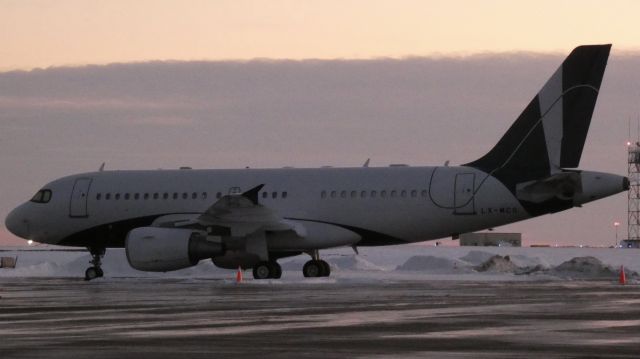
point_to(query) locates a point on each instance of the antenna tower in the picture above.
(633, 212)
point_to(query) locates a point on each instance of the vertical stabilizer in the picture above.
(550, 133)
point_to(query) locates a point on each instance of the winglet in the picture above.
(252, 194)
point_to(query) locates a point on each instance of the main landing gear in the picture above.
(95, 271)
(266, 270)
(316, 267)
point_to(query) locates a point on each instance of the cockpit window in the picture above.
(43, 196)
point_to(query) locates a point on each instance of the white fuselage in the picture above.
(398, 204)
(401, 202)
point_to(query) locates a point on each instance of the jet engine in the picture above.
(155, 249)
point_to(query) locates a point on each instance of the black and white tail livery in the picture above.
(250, 218)
(549, 135)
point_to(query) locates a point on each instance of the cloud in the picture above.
(162, 121)
(272, 113)
(85, 104)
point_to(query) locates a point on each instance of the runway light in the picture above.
(30, 242)
(628, 143)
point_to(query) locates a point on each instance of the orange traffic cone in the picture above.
(623, 278)
(239, 275)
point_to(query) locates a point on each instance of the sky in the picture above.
(229, 84)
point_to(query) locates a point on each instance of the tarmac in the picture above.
(318, 318)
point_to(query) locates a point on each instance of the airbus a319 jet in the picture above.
(172, 219)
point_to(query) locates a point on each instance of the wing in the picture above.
(242, 214)
(239, 215)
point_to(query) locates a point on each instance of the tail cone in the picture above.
(623, 278)
(239, 275)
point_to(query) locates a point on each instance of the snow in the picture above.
(408, 262)
(498, 264)
(433, 264)
(477, 257)
(587, 267)
(351, 262)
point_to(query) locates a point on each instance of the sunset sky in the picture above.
(394, 80)
(75, 32)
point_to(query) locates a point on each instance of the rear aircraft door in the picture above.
(79, 197)
(463, 198)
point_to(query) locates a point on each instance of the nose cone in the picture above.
(17, 223)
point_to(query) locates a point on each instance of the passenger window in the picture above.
(414, 193)
(98, 196)
(146, 196)
(175, 195)
(136, 196)
(374, 194)
(343, 194)
(323, 194)
(354, 194)
(185, 195)
(117, 196)
(194, 195)
(204, 195)
(333, 194)
(165, 196)
(393, 193)
(424, 193)
(284, 194)
(403, 194)
(265, 194)
(274, 195)
(363, 194)
(126, 196)
(156, 195)
(107, 196)
(383, 194)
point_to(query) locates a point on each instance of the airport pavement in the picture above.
(171, 318)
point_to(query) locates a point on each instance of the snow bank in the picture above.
(405, 262)
(37, 263)
(587, 268)
(498, 264)
(352, 262)
(477, 257)
(431, 264)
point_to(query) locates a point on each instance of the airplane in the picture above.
(250, 218)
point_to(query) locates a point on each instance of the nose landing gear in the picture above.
(95, 271)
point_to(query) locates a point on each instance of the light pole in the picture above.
(616, 224)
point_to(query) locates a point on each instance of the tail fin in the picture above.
(550, 132)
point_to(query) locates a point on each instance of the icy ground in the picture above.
(408, 262)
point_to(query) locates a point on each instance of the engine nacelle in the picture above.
(155, 249)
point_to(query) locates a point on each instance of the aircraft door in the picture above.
(79, 197)
(463, 198)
